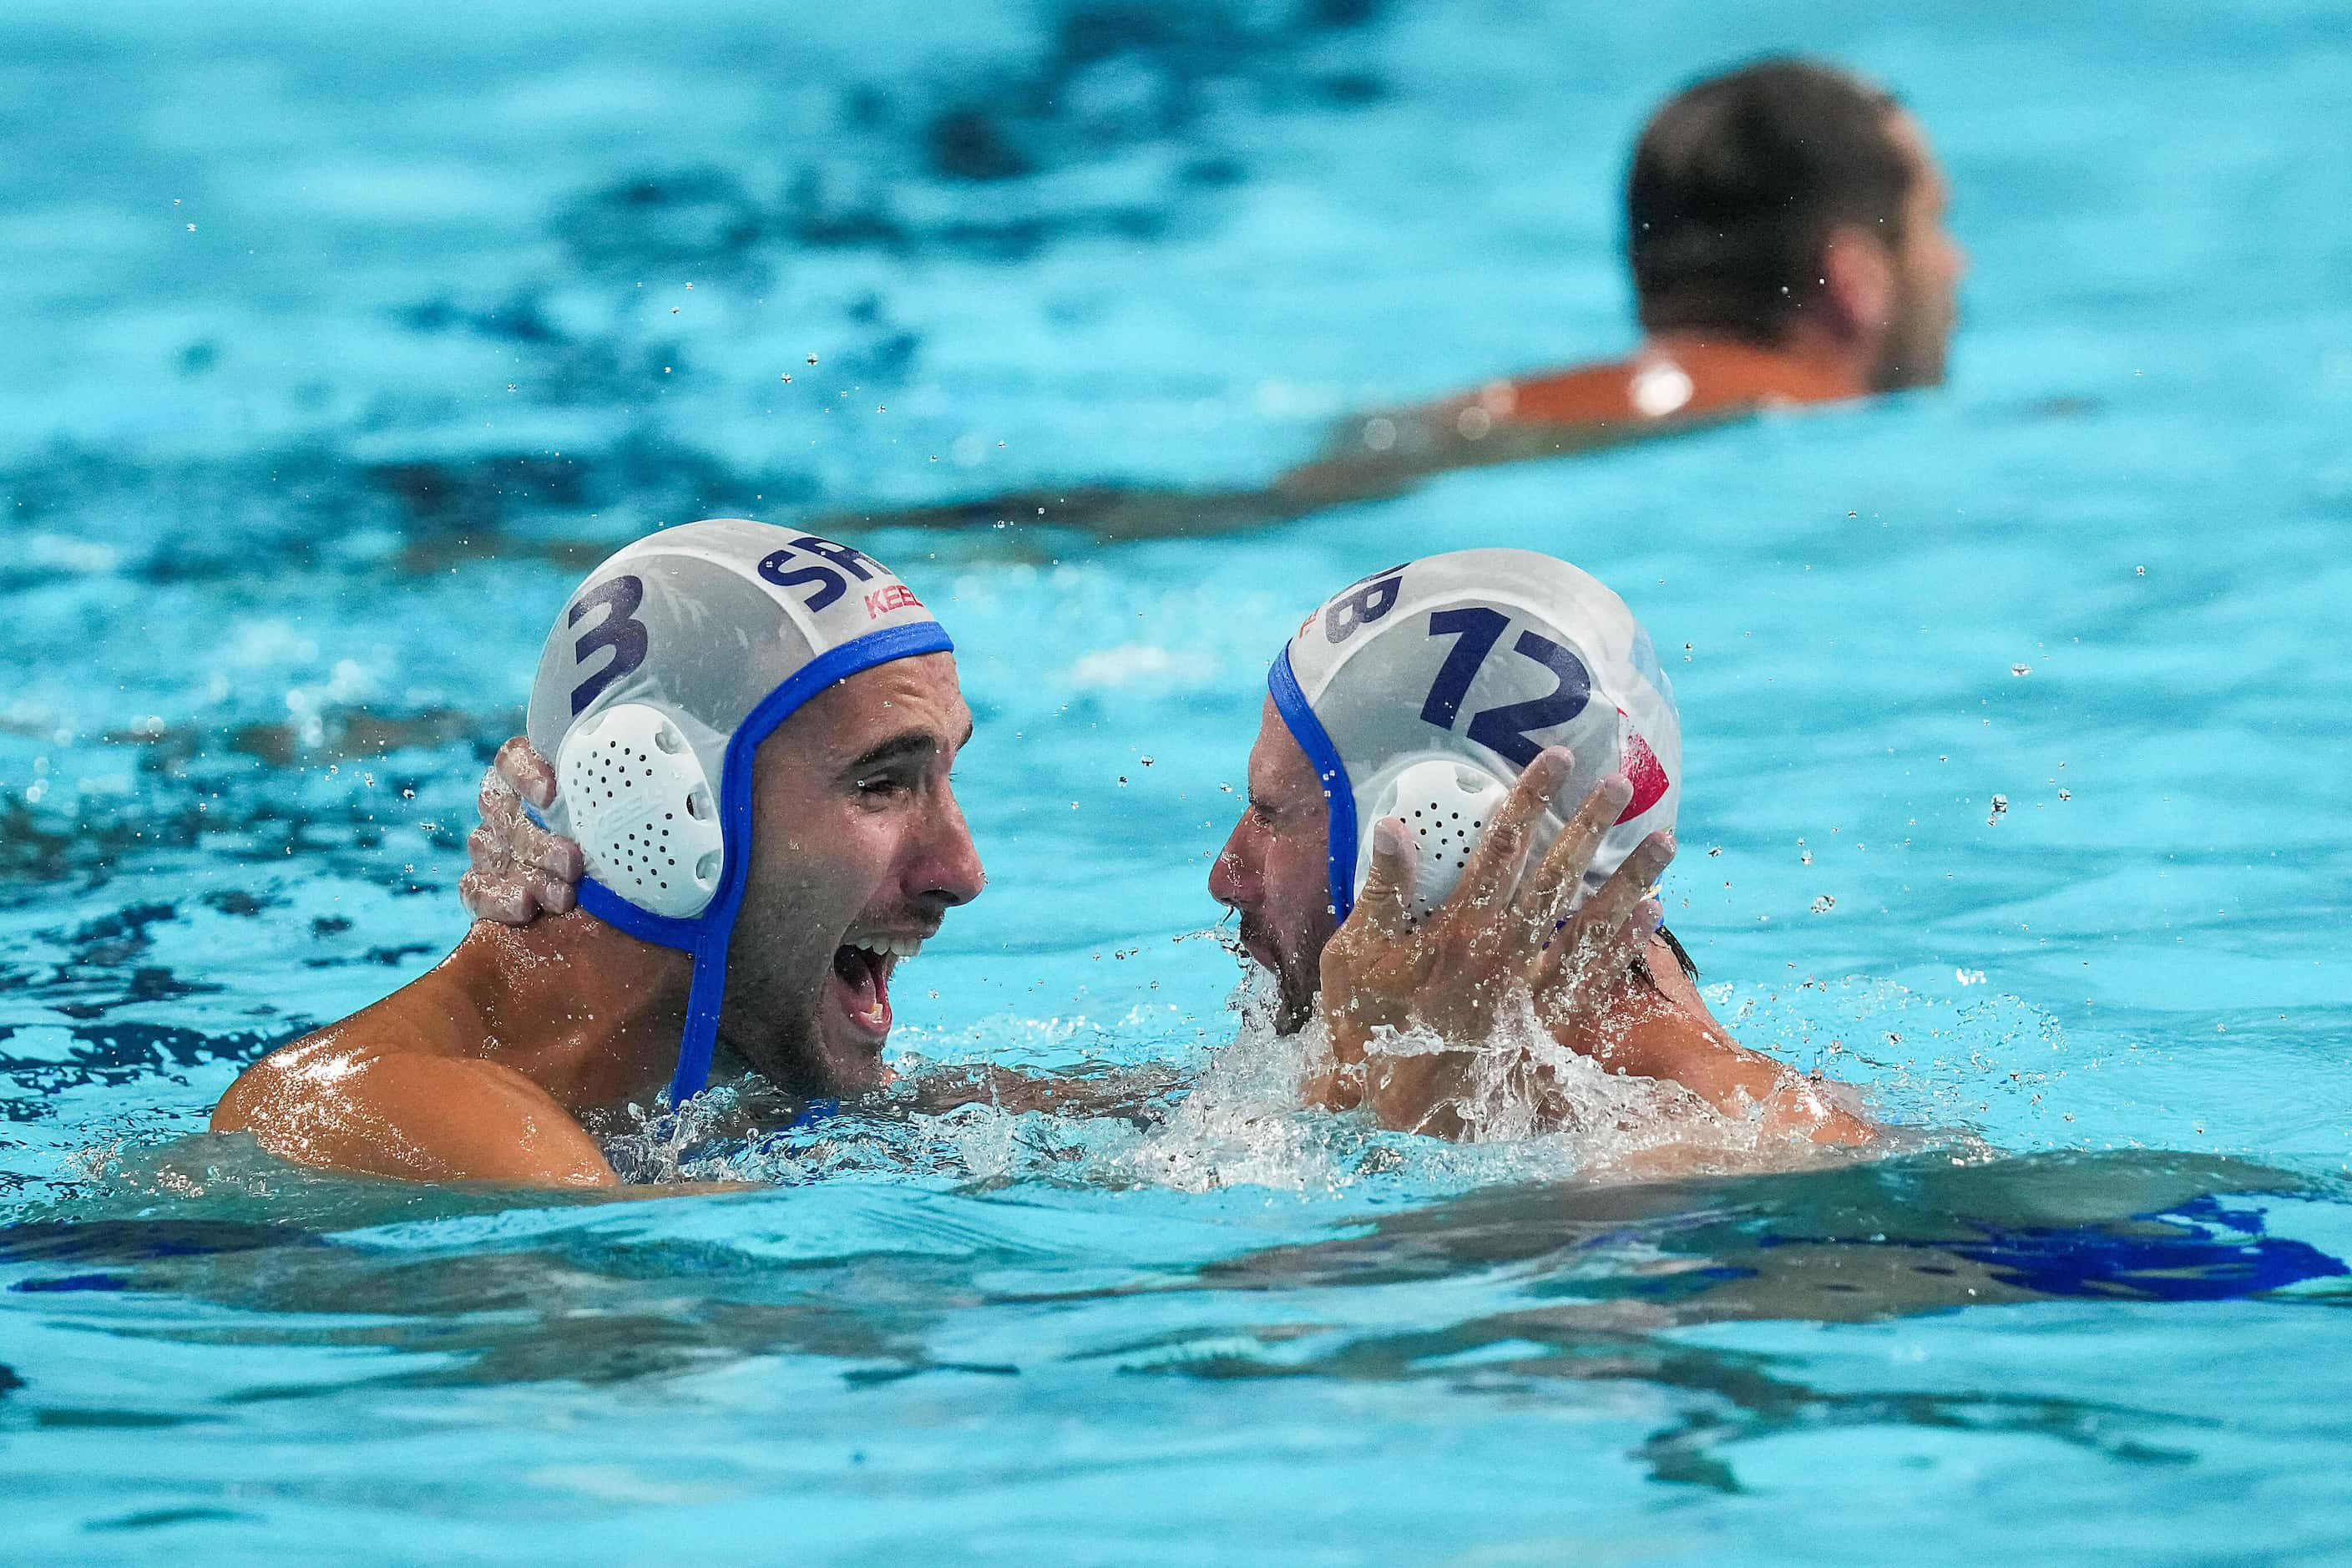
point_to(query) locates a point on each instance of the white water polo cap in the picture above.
(666, 670)
(1422, 692)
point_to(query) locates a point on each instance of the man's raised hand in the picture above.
(1458, 970)
(521, 870)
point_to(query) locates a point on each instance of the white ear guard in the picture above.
(1445, 804)
(642, 809)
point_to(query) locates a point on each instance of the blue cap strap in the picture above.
(1290, 701)
(644, 925)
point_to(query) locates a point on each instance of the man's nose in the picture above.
(950, 870)
(1230, 878)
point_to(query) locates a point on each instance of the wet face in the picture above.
(1927, 269)
(1273, 870)
(858, 850)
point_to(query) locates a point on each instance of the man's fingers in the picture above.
(489, 898)
(530, 774)
(1612, 906)
(549, 852)
(555, 896)
(1622, 946)
(1494, 869)
(488, 851)
(499, 805)
(504, 820)
(1386, 902)
(1564, 867)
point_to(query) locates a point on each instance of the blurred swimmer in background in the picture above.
(1460, 798)
(1785, 229)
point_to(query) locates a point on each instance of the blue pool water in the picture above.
(339, 339)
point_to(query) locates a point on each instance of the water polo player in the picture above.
(753, 730)
(1462, 789)
(1484, 744)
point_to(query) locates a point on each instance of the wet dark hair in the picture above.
(1736, 185)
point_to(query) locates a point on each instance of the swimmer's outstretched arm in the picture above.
(1369, 456)
(1656, 1026)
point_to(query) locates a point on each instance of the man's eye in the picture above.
(881, 787)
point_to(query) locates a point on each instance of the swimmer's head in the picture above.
(752, 729)
(1421, 692)
(1787, 200)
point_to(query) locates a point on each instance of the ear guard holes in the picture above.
(641, 808)
(1447, 805)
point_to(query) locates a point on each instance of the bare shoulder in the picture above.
(312, 1065)
(1578, 395)
(402, 1089)
(1685, 1042)
(324, 1062)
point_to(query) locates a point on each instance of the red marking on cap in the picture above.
(1647, 774)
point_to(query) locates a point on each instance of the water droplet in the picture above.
(1823, 904)
(1999, 809)
(2021, 669)
(812, 359)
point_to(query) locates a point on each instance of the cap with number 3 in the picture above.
(665, 671)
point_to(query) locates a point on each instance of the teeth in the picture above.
(892, 946)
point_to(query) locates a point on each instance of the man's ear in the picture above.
(1857, 282)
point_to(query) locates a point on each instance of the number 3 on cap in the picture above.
(619, 630)
(1501, 730)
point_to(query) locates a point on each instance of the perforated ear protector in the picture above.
(1445, 803)
(642, 810)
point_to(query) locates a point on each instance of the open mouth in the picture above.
(861, 980)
